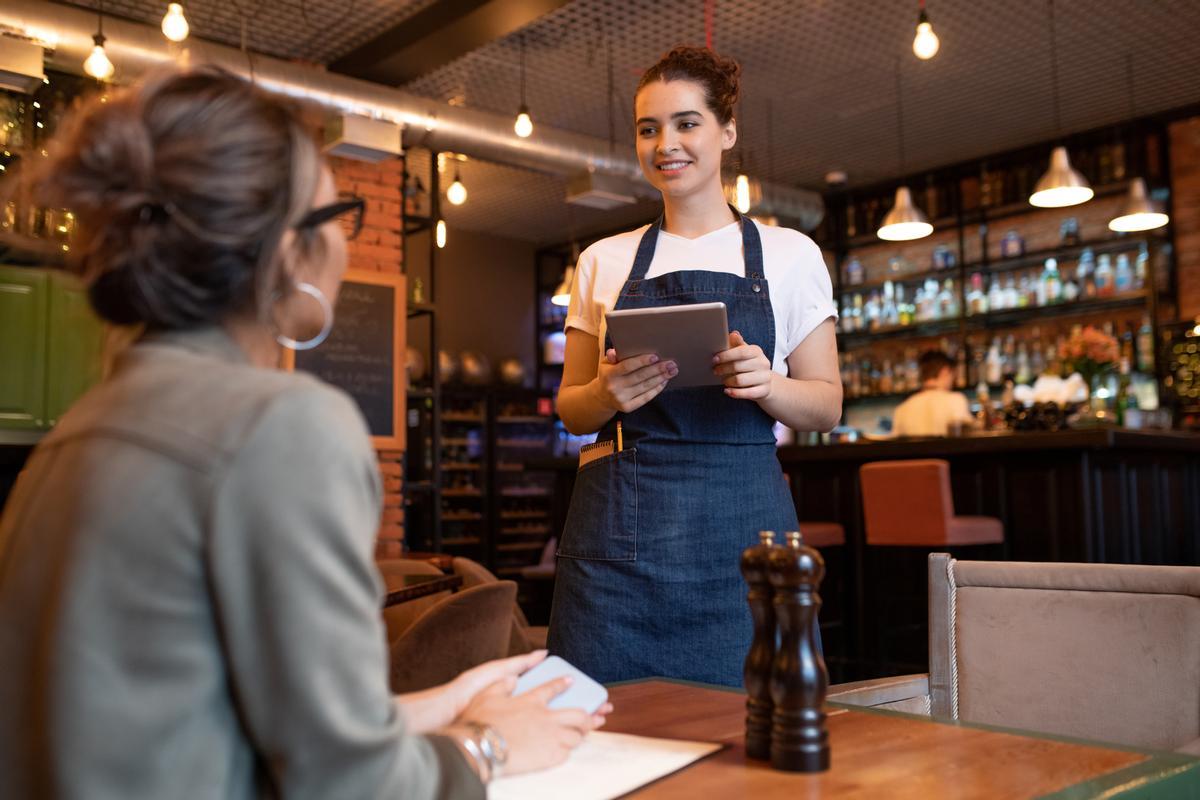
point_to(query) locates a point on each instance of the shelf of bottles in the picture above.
(999, 284)
(464, 476)
(30, 232)
(523, 501)
(1181, 381)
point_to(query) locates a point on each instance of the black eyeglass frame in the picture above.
(319, 216)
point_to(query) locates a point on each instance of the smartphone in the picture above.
(584, 693)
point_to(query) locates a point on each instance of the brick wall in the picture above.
(377, 247)
(1185, 186)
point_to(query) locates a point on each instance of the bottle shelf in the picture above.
(458, 492)
(524, 514)
(452, 416)
(523, 420)
(994, 319)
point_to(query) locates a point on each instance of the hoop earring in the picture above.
(326, 313)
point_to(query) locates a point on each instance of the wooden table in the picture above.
(882, 754)
(402, 588)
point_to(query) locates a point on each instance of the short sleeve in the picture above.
(582, 313)
(813, 294)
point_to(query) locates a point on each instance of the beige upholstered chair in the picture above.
(1109, 652)
(461, 631)
(525, 637)
(400, 617)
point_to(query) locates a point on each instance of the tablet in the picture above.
(689, 335)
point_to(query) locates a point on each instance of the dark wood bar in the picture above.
(1111, 496)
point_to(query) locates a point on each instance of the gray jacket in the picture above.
(188, 601)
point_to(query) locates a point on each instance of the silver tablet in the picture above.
(689, 335)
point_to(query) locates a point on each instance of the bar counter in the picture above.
(1105, 495)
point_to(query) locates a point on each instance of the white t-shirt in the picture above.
(799, 285)
(929, 412)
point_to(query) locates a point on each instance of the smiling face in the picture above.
(679, 139)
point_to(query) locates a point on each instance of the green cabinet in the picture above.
(50, 346)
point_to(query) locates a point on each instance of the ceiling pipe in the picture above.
(136, 49)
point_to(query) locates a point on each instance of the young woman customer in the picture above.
(648, 580)
(188, 601)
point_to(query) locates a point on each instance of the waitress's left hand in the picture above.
(745, 368)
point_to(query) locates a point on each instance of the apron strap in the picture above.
(752, 256)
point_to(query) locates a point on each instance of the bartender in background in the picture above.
(937, 409)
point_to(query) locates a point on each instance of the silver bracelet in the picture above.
(483, 765)
(492, 744)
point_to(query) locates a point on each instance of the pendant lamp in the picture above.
(1138, 213)
(904, 222)
(562, 294)
(1061, 185)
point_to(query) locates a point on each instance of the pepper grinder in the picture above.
(757, 672)
(799, 740)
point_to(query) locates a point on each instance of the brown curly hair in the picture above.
(720, 77)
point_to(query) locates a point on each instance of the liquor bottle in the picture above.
(761, 657)
(799, 740)
(1011, 295)
(1123, 282)
(860, 321)
(890, 315)
(871, 312)
(854, 272)
(1024, 370)
(995, 366)
(1050, 291)
(1104, 276)
(1140, 267)
(976, 299)
(960, 369)
(947, 301)
(996, 295)
(1145, 347)
(1070, 288)
(886, 377)
(851, 223)
(1085, 276)
(903, 309)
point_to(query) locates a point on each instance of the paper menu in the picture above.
(605, 766)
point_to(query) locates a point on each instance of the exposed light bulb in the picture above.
(925, 43)
(97, 64)
(742, 193)
(174, 23)
(523, 127)
(456, 193)
(440, 233)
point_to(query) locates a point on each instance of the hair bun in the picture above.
(719, 75)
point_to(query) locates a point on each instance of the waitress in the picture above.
(648, 580)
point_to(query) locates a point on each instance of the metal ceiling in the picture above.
(823, 72)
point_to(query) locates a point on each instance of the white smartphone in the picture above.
(584, 693)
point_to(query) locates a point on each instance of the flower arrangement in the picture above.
(1091, 353)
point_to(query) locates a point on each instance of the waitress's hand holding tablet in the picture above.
(688, 336)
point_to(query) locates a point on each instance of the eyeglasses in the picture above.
(353, 206)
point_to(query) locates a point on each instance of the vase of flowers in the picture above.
(1093, 354)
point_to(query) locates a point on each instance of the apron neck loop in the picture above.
(752, 257)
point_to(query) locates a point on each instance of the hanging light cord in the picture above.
(1129, 85)
(612, 121)
(900, 117)
(770, 140)
(522, 71)
(1054, 70)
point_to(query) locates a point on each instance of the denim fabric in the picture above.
(648, 580)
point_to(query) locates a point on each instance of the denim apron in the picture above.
(648, 581)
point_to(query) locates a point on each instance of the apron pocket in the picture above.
(602, 520)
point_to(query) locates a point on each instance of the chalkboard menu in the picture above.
(365, 350)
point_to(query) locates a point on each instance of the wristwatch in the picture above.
(487, 747)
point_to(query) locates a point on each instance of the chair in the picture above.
(461, 631)
(399, 618)
(1095, 651)
(823, 534)
(908, 504)
(525, 637)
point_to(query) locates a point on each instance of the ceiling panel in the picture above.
(822, 72)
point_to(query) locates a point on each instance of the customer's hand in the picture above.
(463, 689)
(628, 385)
(745, 368)
(537, 737)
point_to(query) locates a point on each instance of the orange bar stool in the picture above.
(823, 534)
(908, 504)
